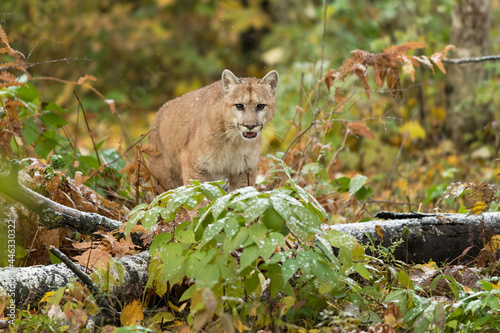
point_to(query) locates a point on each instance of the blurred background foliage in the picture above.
(142, 53)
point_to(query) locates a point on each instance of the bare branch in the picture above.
(471, 60)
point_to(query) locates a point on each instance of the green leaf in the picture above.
(238, 240)
(364, 193)
(52, 120)
(188, 293)
(480, 322)
(257, 232)
(306, 260)
(208, 277)
(356, 183)
(30, 131)
(53, 259)
(362, 270)
(88, 162)
(249, 255)
(26, 93)
(252, 282)
(298, 229)
(109, 155)
(254, 208)
(137, 208)
(210, 191)
(231, 227)
(492, 301)
(289, 268)
(340, 239)
(51, 106)
(48, 143)
(405, 280)
(312, 168)
(220, 204)
(150, 218)
(133, 220)
(281, 206)
(159, 242)
(211, 230)
(309, 220)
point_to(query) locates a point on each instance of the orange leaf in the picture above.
(132, 313)
(393, 83)
(439, 56)
(361, 129)
(331, 75)
(339, 98)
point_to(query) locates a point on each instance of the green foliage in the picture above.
(243, 239)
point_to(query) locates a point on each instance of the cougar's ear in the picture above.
(271, 78)
(228, 79)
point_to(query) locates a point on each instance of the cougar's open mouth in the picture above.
(249, 135)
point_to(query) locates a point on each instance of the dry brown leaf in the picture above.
(359, 128)
(94, 258)
(331, 75)
(339, 98)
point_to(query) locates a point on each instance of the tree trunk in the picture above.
(441, 237)
(31, 283)
(53, 215)
(470, 26)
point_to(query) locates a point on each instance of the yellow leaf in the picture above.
(132, 313)
(414, 129)
(468, 290)
(391, 320)
(479, 207)
(493, 244)
(380, 232)
(438, 113)
(46, 297)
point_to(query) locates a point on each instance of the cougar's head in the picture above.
(252, 102)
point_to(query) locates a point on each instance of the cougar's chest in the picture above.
(230, 159)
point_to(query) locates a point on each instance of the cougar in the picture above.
(213, 133)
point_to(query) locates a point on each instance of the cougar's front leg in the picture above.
(242, 180)
(190, 169)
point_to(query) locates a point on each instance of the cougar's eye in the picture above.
(240, 106)
(260, 107)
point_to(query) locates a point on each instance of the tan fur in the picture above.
(200, 135)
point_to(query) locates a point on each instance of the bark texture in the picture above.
(470, 27)
(31, 283)
(440, 237)
(53, 215)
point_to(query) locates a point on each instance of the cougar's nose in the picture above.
(250, 127)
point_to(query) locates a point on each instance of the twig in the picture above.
(111, 105)
(28, 65)
(126, 151)
(88, 128)
(102, 301)
(405, 136)
(392, 202)
(471, 60)
(334, 158)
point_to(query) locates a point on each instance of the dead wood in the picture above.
(31, 283)
(53, 215)
(440, 237)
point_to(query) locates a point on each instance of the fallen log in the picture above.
(440, 237)
(29, 284)
(53, 215)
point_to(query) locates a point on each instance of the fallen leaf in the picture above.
(132, 313)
